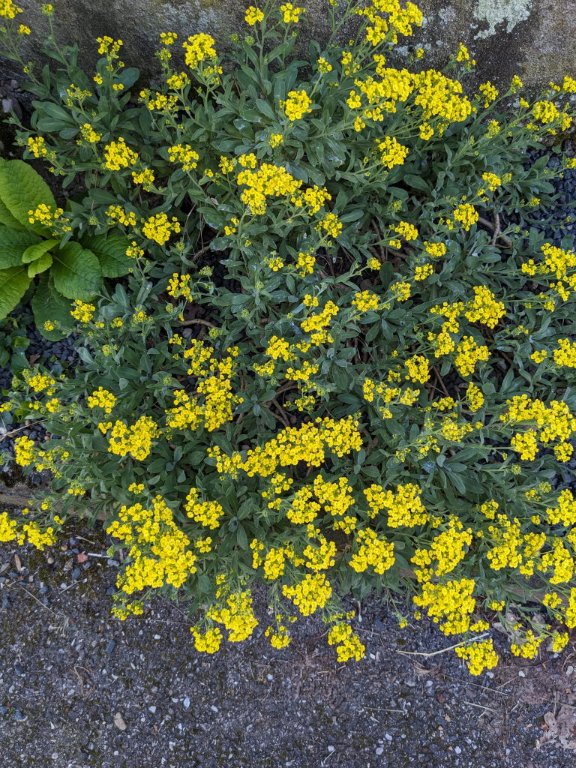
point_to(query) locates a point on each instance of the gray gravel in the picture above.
(79, 689)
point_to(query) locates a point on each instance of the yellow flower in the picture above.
(324, 66)
(291, 13)
(82, 312)
(118, 155)
(198, 49)
(296, 105)
(364, 301)
(489, 92)
(466, 214)
(391, 152)
(159, 228)
(9, 10)
(253, 15)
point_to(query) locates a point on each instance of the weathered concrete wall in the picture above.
(534, 38)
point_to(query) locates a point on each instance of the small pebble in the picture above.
(110, 645)
(379, 750)
(19, 716)
(330, 748)
(458, 750)
(152, 709)
(186, 703)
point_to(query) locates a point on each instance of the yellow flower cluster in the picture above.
(179, 287)
(118, 214)
(82, 311)
(313, 199)
(492, 180)
(484, 307)
(198, 48)
(291, 13)
(135, 440)
(102, 398)
(418, 369)
(205, 513)
(268, 181)
(469, 354)
(88, 134)
(184, 154)
(404, 506)
(565, 353)
(364, 301)
(451, 603)
(308, 443)
(446, 551)
(372, 552)
(253, 15)
(158, 550)
(9, 10)
(207, 642)
(8, 528)
(331, 225)
(118, 155)
(145, 178)
(44, 214)
(237, 616)
(24, 451)
(565, 512)
(309, 594)
(478, 656)
(392, 153)
(552, 423)
(466, 214)
(296, 105)
(441, 97)
(214, 401)
(348, 644)
(160, 228)
(109, 47)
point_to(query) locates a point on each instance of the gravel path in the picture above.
(79, 689)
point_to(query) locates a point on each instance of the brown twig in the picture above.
(197, 321)
(498, 234)
(19, 429)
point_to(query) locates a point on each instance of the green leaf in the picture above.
(7, 219)
(110, 250)
(13, 285)
(34, 252)
(40, 265)
(48, 305)
(13, 244)
(76, 272)
(22, 190)
(416, 182)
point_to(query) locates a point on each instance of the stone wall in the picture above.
(534, 38)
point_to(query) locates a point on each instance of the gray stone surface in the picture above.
(534, 38)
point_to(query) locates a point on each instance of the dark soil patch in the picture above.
(70, 675)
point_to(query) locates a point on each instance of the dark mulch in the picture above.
(79, 689)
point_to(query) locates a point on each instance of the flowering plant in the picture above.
(343, 359)
(35, 241)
